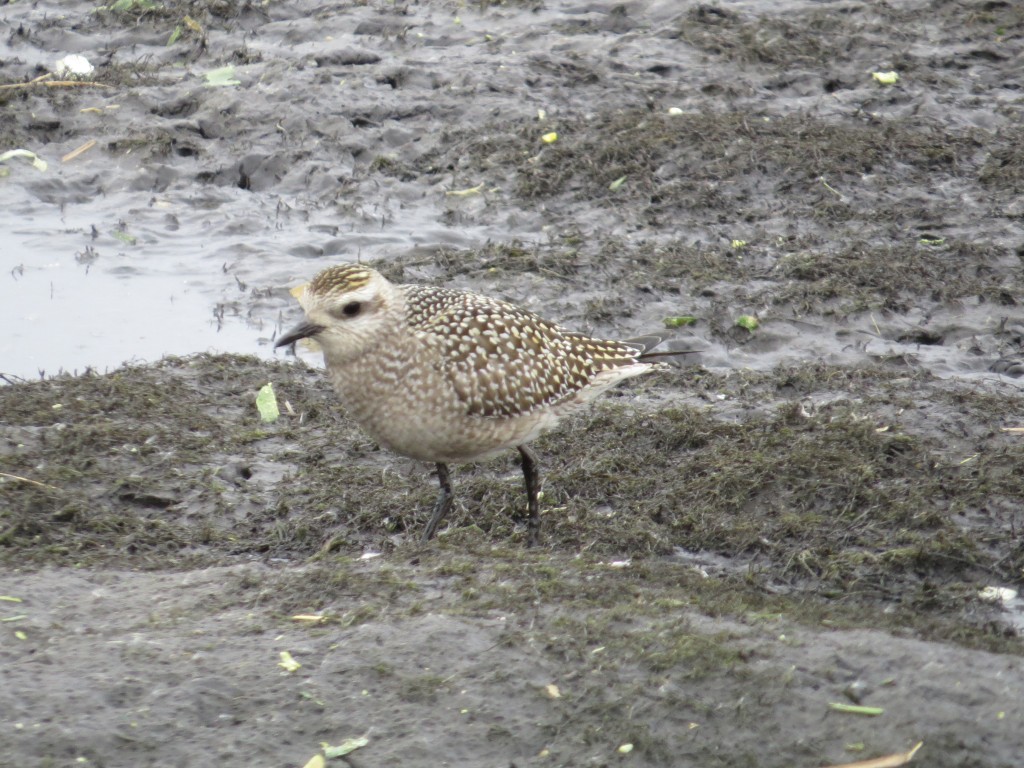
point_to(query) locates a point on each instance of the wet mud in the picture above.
(820, 508)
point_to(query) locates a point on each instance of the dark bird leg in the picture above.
(532, 476)
(444, 502)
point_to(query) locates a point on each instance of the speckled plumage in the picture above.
(443, 375)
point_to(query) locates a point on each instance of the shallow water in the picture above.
(148, 244)
(97, 274)
(63, 314)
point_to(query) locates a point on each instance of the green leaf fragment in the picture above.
(288, 662)
(123, 6)
(855, 709)
(225, 76)
(348, 745)
(466, 192)
(617, 183)
(266, 404)
(680, 321)
(748, 321)
(37, 162)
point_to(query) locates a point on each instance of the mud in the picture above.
(799, 515)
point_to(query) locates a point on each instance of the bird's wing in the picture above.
(505, 361)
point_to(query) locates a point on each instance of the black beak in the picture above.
(300, 331)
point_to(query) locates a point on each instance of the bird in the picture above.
(449, 376)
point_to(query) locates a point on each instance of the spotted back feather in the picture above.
(505, 361)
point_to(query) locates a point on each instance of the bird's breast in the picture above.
(415, 411)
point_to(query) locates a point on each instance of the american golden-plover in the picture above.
(449, 376)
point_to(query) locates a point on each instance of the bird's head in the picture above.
(348, 309)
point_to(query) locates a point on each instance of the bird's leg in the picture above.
(444, 502)
(531, 474)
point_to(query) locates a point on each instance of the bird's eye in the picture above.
(346, 311)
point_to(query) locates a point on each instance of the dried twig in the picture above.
(889, 761)
(45, 80)
(78, 151)
(27, 480)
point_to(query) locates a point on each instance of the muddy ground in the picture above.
(799, 515)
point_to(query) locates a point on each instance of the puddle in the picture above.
(70, 306)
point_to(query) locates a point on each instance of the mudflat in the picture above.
(820, 505)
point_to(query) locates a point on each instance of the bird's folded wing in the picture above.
(503, 361)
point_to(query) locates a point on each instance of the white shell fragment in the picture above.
(73, 64)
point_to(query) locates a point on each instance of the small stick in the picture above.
(78, 151)
(27, 480)
(45, 80)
